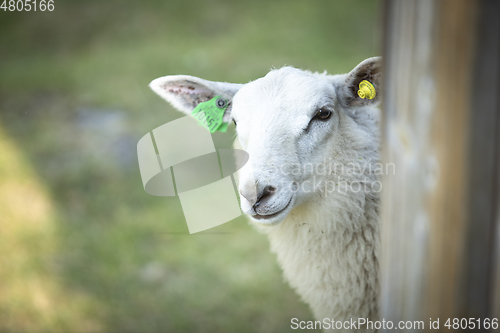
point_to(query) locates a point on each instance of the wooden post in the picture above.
(441, 129)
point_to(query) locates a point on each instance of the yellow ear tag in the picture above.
(366, 90)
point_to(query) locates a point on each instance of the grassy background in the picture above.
(83, 247)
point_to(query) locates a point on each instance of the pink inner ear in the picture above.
(187, 88)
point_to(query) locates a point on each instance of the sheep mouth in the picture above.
(273, 218)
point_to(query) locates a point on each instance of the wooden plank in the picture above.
(450, 133)
(409, 72)
(483, 167)
(441, 126)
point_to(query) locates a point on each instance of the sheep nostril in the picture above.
(266, 192)
(270, 189)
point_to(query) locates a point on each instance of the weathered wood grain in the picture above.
(441, 128)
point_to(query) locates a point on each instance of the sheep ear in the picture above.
(369, 70)
(185, 92)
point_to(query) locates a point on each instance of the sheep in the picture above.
(322, 225)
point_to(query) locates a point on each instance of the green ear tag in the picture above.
(214, 112)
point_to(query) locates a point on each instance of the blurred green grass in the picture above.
(84, 247)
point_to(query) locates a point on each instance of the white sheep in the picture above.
(323, 225)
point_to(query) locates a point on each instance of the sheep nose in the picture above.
(264, 195)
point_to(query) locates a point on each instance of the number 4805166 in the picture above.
(471, 323)
(27, 5)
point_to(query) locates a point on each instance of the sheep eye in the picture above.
(323, 114)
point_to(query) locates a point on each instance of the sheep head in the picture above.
(289, 122)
